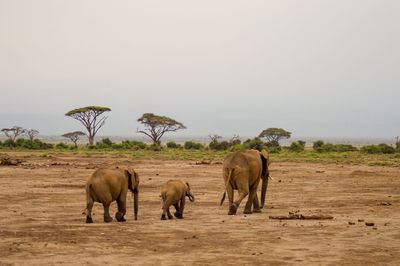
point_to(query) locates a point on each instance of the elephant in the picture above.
(173, 192)
(242, 170)
(108, 185)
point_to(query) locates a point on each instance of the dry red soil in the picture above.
(43, 198)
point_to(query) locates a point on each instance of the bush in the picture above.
(375, 149)
(9, 143)
(272, 144)
(386, 148)
(107, 142)
(19, 142)
(91, 147)
(256, 144)
(131, 144)
(193, 145)
(318, 144)
(219, 146)
(296, 147)
(237, 147)
(155, 147)
(173, 145)
(117, 146)
(1, 143)
(302, 143)
(328, 147)
(62, 145)
(344, 148)
(371, 149)
(274, 149)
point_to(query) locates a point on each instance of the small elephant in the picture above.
(174, 192)
(108, 185)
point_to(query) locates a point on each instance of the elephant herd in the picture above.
(242, 171)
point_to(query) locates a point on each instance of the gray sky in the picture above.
(315, 68)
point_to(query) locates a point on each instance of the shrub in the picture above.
(344, 148)
(256, 144)
(9, 143)
(131, 144)
(371, 149)
(19, 142)
(193, 145)
(386, 148)
(219, 146)
(302, 143)
(328, 147)
(274, 149)
(296, 147)
(237, 147)
(155, 147)
(272, 143)
(91, 147)
(173, 145)
(1, 143)
(317, 144)
(117, 146)
(107, 142)
(62, 145)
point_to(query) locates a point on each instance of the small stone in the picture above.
(360, 220)
(369, 223)
(352, 223)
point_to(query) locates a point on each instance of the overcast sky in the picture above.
(316, 68)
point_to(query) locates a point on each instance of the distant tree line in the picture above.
(155, 126)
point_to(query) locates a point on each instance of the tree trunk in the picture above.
(91, 140)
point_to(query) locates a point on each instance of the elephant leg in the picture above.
(169, 214)
(165, 208)
(243, 192)
(177, 211)
(89, 207)
(256, 205)
(181, 207)
(232, 208)
(250, 199)
(107, 217)
(121, 210)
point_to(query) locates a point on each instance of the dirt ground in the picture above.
(42, 200)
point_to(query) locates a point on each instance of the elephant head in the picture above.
(133, 185)
(264, 175)
(189, 193)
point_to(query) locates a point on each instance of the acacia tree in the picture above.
(31, 133)
(74, 136)
(14, 132)
(90, 118)
(273, 135)
(156, 126)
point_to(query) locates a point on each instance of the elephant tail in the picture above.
(230, 171)
(88, 196)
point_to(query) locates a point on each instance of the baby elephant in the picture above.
(173, 193)
(108, 185)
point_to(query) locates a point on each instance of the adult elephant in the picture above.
(242, 170)
(108, 185)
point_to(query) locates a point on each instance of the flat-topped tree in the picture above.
(275, 134)
(31, 133)
(14, 132)
(74, 136)
(90, 118)
(156, 126)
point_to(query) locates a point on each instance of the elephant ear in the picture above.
(133, 179)
(265, 162)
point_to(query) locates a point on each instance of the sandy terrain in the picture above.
(43, 199)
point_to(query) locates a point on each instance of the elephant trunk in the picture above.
(264, 190)
(191, 197)
(135, 202)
